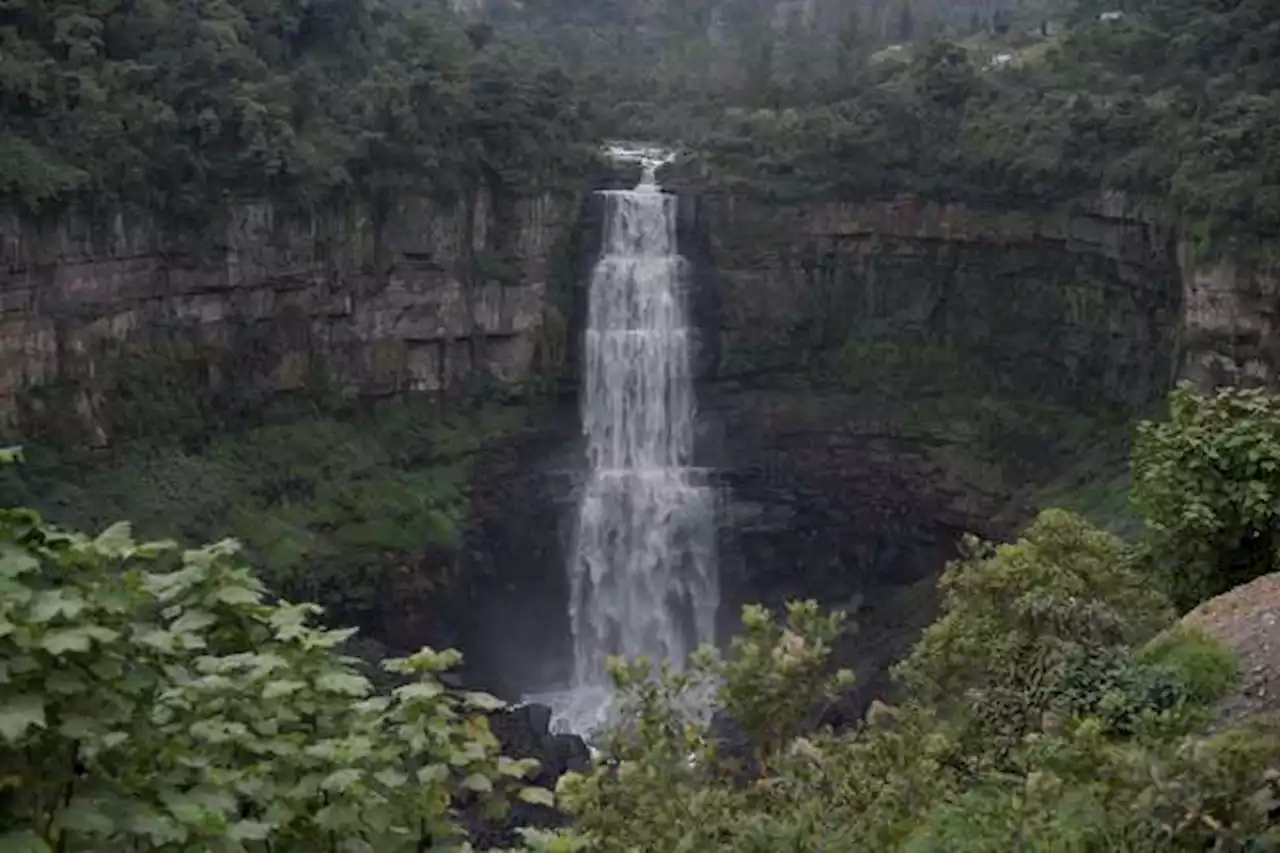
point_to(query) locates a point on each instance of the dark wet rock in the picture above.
(524, 732)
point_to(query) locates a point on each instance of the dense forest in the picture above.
(1171, 102)
(179, 106)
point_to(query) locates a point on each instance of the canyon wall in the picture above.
(875, 378)
(1231, 319)
(418, 297)
(1107, 308)
(1081, 310)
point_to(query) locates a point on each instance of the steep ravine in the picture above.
(863, 406)
(874, 380)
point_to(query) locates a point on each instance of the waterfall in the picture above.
(642, 570)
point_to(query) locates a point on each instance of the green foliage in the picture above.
(1206, 482)
(357, 513)
(662, 786)
(775, 675)
(1205, 669)
(1032, 724)
(181, 107)
(1016, 618)
(153, 698)
(1173, 104)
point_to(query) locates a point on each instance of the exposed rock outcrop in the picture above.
(1079, 309)
(418, 297)
(523, 732)
(1231, 319)
(874, 378)
(1246, 620)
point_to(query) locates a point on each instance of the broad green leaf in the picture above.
(78, 727)
(483, 701)
(15, 561)
(478, 782)
(193, 621)
(84, 815)
(390, 778)
(420, 690)
(157, 826)
(160, 640)
(276, 689)
(341, 780)
(537, 797)
(432, 773)
(238, 595)
(517, 769)
(345, 683)
(249, 830)
(61, 641)
(47, 604)
(152, 550)
(116, 540)
(19, 714)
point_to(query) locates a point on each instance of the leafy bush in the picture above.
(1207, 484)
(1019, 619)
(1032, 664)
(153, 698)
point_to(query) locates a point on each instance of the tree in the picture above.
(1016, 616)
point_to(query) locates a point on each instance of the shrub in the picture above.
(153, 698)
(1017, 618)
(1207, 482)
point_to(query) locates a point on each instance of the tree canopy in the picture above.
(181, 105)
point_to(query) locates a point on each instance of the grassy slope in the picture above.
(327, 505)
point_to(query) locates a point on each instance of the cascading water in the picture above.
(642, 571)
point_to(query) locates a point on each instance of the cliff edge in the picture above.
(1247, 621)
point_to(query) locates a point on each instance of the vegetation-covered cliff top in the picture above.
(1013, 105)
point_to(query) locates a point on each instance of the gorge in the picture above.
(857, 403)
(361, 403)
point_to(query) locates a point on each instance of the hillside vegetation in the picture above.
(179, 106)
(159, 699)
(1172, 102)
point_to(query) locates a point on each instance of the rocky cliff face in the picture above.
(1231, 319)
(892, 375)
(875, 379)
(1082, 310)
(418, 297)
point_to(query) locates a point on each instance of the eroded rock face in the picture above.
(1232, 321)
(841, 351)
(418, 298)
(1081, 310)
(1246, 620)
(840, 348)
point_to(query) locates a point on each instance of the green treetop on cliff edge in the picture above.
(180, 105)
(1173, 102)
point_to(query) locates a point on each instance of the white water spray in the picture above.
(642, 571)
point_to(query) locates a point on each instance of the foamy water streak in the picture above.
(642, 573)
